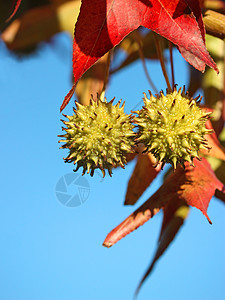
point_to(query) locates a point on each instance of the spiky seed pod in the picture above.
(98, 136)
(172, 127)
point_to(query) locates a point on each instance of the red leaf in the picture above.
(169, 212)
(68, 97)
(143, 174)
(217, 149)
(174, 215)
(195, 7)
(136, 219)
(16, 5)
(197, 185)
(102, 24)
(191, 58)
(194, 185)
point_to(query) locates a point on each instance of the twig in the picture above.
(102, 95)
(161, 59)
(140, 50)
(214, 23)
(171, 63)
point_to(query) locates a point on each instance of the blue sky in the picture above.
(53, 251)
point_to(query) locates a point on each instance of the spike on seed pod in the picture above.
(176, 133)
(98, 135)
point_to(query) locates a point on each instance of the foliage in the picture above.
(105, 27)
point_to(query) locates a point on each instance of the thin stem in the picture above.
(171, 63)
(161, 59)
(223, 109)
(102, 95)
(141, 54)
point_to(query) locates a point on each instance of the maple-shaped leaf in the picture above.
(174, 215)
(197, 185)
(102, 24)
(217, 150)
(142, 176)
(194, 185)
(189, 56)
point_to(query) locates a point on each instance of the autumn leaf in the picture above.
(189, 56)
(151, 207)
(196, 8)
(40, 23)
(219, 167)
(217, 150)
(174, 215)
(93, 81)
(194, 185)
(143, 174)
(197, 185)
(102, 24)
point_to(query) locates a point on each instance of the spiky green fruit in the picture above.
(172, 127)
(98, 136)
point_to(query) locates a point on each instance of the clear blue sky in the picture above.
(50, 251)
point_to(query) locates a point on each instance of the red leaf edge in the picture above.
(68, 97)
(16, 7)
(145, 212)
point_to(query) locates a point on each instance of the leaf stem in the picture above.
(102, 95)
(141, 54)
(161, 59)
(171, 63)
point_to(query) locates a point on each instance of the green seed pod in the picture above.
(98, 136)
(172, 127)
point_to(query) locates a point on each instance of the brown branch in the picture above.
(214, 23)
(161, 59)
(141, 54)
(171, 63)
